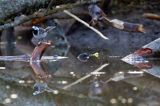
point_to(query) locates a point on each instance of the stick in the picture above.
(85, 77)
(126, 26)
(86, 24)
(151, 16)
(36, 56)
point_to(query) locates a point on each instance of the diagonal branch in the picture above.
(45, 14)
(86, 24)
(8, 8)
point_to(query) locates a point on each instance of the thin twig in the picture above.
(49, 5)
(86, 24)
(50, 12)
(85, 77)
(151, 16)
(107, 81)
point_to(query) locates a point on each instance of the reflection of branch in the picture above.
(80, 96)
(39, 72)
(85, 77)
(53, 11)
(15, 80)
(26, 58)
(35, 60)
(124, 75)
(86, 24)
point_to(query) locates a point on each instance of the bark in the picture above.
(12, 7)
(45, 14)
(152, 16)
(35, 57)
(8, 8)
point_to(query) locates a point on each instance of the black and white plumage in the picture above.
(40, 34)
(59, 45)
(54, 33)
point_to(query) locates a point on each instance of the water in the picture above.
(95, 90)
(76, 83)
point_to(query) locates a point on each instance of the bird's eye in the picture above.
(35, 31)
(97, 13)
(36, 88)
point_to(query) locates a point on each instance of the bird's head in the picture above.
(39, 33)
